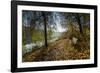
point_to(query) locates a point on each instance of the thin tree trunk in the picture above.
(79, 22)
(45, 28)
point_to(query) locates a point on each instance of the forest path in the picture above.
(61, 49)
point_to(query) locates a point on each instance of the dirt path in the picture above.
(59, 50)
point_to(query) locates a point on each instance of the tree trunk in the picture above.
(45, 27)
(79, 22)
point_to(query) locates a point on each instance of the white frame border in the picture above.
(52, 63)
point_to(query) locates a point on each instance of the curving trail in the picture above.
(61, 49)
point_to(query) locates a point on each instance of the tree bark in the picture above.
(45, 27)
(79, 22)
